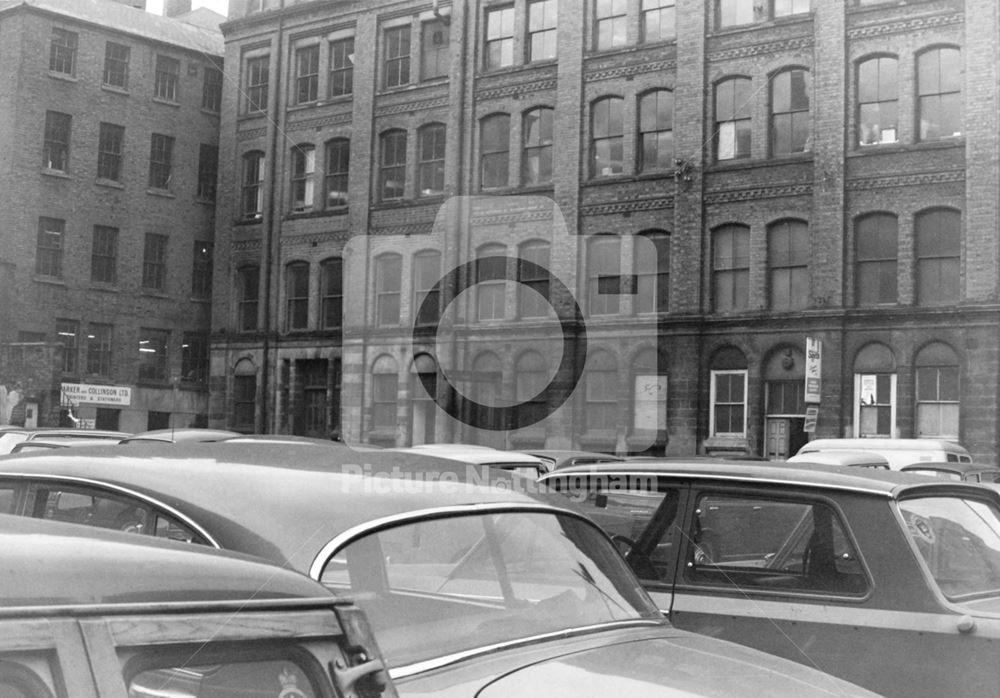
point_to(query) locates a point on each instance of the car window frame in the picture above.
(682, 584)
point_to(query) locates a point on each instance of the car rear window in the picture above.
(959, 541)
(228, 676)
(440, 586)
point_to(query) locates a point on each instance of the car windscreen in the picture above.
(439, 586)
(959, 541)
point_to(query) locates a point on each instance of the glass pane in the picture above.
(230, 676)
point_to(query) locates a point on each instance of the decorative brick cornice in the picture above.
(627, 206)
(524, 215)
(403, 107)
(315, 239)
(786, 46)
(251, 134)
(246, 245)
(424, 228)
(321, 122)
(905, 26)
(515, 89)
(630, 70)
(732, 195)
(907, 180)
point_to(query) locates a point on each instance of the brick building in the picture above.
(109, 142)
(735, 178)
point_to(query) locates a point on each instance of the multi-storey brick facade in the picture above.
(109, 137)
(757, 173)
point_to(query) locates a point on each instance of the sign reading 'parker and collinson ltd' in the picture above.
(77, 393)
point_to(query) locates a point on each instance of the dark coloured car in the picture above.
(968, 472)
(107, 615)
(887, 579)
(473, 583)
(555, 458)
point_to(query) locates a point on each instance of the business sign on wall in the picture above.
(80, 393)
(814, 358)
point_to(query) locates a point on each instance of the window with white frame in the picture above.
(62, 51)
(659, 21)
(255, 83)
(435, 45)
(388, 283)
(878, 101)
(537, 134)
(939, 93)
(604, 275)
(541, 30)
(790, 112)
(733, 110)
(116, 59)
(728, 411)
(303, 177)
(397, 56)
(607, 137)
(875, 392)
(491, 282)
(938, 392)
(306, 74)
(656, 131)
(161, 156)
(499, 37)
(392, 165)
(341, 67)
(252, 193)
(610, 24)
(338, 164)
(494, 149)
(49, 248)
(167, 78)
(55, 148)
(430, 164)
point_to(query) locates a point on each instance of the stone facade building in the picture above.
(713, 184)
(109, 141)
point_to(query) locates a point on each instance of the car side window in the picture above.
(18, 681)
(756, 542)
(92, 506)
(638, 516)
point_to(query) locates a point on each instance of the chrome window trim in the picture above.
(152, 501)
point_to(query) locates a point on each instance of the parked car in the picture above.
(474, 454)
(47, 442)
(887, 579)
(898, 452)
(10, 437)
(472, 587)
(969, 472)
(181, 434)
(102, 614)
(846, 458)
(555, 458)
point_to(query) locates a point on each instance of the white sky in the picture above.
(220, 6)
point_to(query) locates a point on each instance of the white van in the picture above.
(846, 457)
(898, 452)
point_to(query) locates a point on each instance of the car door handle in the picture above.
(347, 676)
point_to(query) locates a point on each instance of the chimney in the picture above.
(174, 8)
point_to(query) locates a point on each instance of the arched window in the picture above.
(604, 275)
(297, 296)
(875, 391)
(252, 195)
(939, 93)
(388, 284)
(790, 91)
(788, 264)
(733, 110)
(875, 259)
(303, 171)
(423, 389)
(649, 393)
(651, 266)
(878, 101)
(384, 394)
(426, 299)
(601, 392)
(531, 375)
(392, 165)
(338, 165)
(536, 160)
(938, 249)
(656, 131)
(731, 268)
(491, 282)
(607, 136)
(331, 291)
(938, 392)
(533, 286)
(430, 163)
(247, 296)
(494, 147)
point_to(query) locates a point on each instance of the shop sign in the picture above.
(85, 393)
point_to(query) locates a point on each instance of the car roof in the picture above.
(49, 563)
(184, 434)
(57, 441)
(283, 501)
(952, 466)
(872, 443)
(877, 481)
(478, 455)
(847, 457)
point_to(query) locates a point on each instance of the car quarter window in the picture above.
(750, 542)
(93, 506)
(638, 515)
(229, 675)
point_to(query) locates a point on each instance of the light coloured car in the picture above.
(898, 452)
(846, 458)
(474, 454)
(11, 436)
